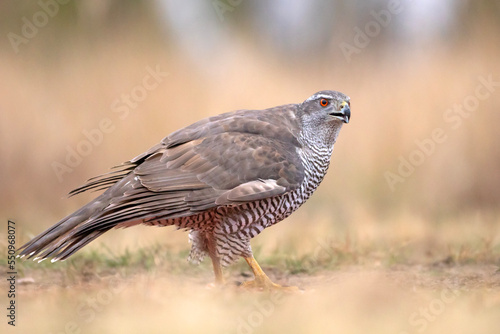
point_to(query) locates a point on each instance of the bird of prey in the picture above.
(225, 179)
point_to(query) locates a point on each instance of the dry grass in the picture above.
(351, 300)
(365, 278)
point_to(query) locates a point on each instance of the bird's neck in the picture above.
(319, 143)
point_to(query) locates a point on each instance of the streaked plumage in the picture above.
(224, 178)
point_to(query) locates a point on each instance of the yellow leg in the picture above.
(261, 280)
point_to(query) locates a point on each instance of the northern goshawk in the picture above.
(225, 179)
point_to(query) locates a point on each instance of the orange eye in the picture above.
(324, 102)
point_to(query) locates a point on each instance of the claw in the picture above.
(261, 281)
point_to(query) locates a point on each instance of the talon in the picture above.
(262, 281)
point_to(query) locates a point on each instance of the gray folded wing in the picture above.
(225, 160)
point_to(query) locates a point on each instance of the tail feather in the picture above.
(71, 233)
(125, 201)
(74, 244)
(56, 239)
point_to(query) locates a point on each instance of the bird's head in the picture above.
(329, 106)
(323, 115)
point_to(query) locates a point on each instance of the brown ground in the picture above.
(441, 297)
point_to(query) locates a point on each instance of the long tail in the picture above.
(66, 237)
(97, 217)
(60, 241)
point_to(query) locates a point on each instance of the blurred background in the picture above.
(88, 85)
(408, 212)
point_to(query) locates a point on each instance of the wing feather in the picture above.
(224, 160)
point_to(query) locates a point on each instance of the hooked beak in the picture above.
(344, 114)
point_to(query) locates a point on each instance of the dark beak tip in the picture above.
(347, 115)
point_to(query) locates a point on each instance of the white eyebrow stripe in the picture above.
(316, 96)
